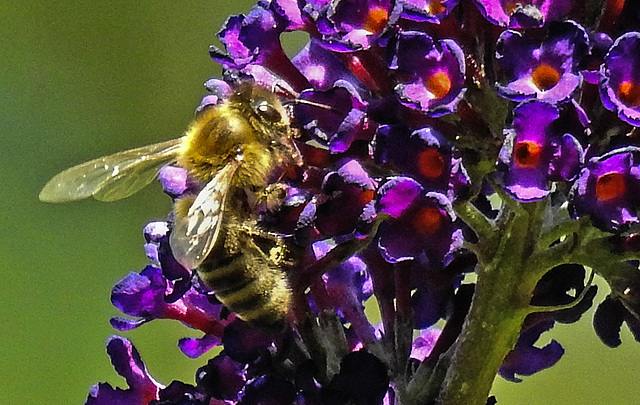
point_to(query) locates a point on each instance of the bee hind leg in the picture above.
(271, 244)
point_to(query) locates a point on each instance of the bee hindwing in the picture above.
(112, 177)
(194, 235)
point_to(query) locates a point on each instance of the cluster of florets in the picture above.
(428, 103)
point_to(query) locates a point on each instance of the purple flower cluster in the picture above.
(440, 139)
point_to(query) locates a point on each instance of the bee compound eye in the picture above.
(267, 111)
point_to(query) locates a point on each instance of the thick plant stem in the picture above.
(499, 307)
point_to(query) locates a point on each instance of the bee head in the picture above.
(262, 104)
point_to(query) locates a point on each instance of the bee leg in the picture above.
(271, 243)
(272, 196)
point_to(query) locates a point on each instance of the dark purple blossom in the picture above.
(352, 25)
(433, 11)
(620, 80)
(535, 154)
(430, 73)
(564, 285)
(608, 319)
(322, 67)
(222, 377)
(523, 14)
(128, 364)
(143, 296)
(546, 70)
(423, 222)
(343, 122)
(425, 155)
(252, 45)
(608, 189)
(527, 359)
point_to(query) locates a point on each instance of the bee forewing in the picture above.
(194, 235)
(112, 177)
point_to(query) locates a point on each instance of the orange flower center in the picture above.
(435, 7)
(430, 163)
(511, 7)
(629, 93)
(545, 77)
(367, 196)
(376, 20)
(428, 220)
(438, 84)
(527, 154)
(610, 185)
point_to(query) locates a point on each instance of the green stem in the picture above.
(499, 307)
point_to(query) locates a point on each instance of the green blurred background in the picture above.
(79, 80)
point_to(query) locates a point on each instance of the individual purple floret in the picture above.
(143, 296)
(222, 377)
(523, 14)
(620, 78)
(608, 189)
(433, 11)
(127, 363)
(535, 154)
(546, 70)
(156, 235)
(527, 359)
(609, 317)
(348, 26)
(253, 42)
(340, 124)
(425, 155)
(321, 67)
(424, 222)
(430, 73)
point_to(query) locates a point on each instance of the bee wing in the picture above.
(194, 235)
(112, 177)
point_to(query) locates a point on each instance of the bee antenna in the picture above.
(292, 98)
(311, 103)
(284, 91)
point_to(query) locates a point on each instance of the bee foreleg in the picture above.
(272, 196)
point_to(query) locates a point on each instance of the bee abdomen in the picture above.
(252, 287)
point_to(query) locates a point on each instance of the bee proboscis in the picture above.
(232, 148)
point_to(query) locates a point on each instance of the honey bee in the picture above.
(232, 148)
